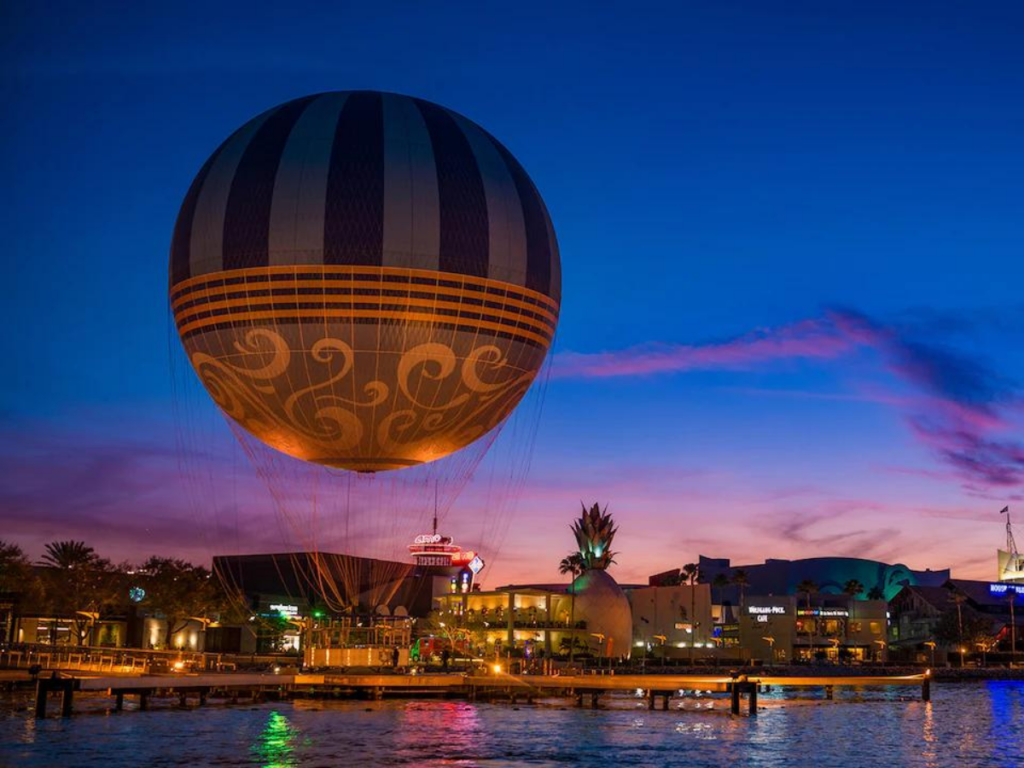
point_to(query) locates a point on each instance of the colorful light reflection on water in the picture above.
(275, 747)
(974, 724)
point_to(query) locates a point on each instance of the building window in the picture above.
(856, 626)
(876, 627)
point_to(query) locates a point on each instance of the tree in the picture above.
(808, 588)
(1011, 597)
(69, 555)
(720, 582)
(78, 585)
(876, 593)
(958, 599)
(572, 565)
(853, 588)
(180, 591)
(690, 573)
(15, 568)
(740, 580)
(963, 629)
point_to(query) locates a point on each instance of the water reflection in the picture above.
(275, 747)
(930, 752)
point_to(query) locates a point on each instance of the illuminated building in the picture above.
(785, 628)
(917, 612)
(529, 618)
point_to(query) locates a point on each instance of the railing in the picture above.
(131, 660)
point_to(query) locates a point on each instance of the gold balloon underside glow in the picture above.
(363, 368)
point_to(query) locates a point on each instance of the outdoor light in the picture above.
(497, 669)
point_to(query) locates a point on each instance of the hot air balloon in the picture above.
(366, 285)
(364, 280)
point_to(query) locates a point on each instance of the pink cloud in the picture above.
(954, 403)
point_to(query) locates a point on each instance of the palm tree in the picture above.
(808, 588)
(740, 579)
(1011, 596)
(572, 565)
(959, 598)
(690, 573)
(876, 593)
(853, 588)
(68, 555)
(720, 582)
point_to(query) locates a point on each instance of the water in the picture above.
(978, 724)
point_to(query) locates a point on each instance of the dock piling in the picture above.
(67, 698)
(41, 692)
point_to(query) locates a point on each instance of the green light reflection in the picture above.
(275, 747)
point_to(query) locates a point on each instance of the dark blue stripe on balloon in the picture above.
(247, 216)
(535, 218)
(181, 242)
(465, 236)
(354, 216)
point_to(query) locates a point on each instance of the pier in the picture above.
(513, 688)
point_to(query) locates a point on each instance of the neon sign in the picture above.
(826, 612)
(285, 610)
(1002, 589)
(776, 609)
(426, 538)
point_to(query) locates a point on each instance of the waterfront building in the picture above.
(992, 612)
(525, 618)
(829, 574)
(785, 628)
(675, 622)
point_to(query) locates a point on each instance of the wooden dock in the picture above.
(472, 686)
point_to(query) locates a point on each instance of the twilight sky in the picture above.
(793, 251)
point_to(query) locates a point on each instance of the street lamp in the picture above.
(931, 644)
(881, 649)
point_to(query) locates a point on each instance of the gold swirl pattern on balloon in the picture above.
(360, 409)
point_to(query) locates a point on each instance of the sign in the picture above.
(136, 594)
(834, 613)
(433, 560)
(426, 538)
(291, 611)
(774, 609)
(476, 564)
(1002, 589)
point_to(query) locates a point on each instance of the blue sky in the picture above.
(792, 241)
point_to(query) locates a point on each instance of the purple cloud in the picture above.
(954, 403)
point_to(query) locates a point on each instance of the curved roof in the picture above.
(371, 179)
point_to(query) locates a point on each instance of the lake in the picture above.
(969, 724)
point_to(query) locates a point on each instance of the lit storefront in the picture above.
(831, 628)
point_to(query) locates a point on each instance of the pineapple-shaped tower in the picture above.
(599, 600)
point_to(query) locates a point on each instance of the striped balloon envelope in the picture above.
(364, 280)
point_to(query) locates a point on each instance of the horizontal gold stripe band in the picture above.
(288, 290)
(341, 271)
(339, 302)
(321, 314)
